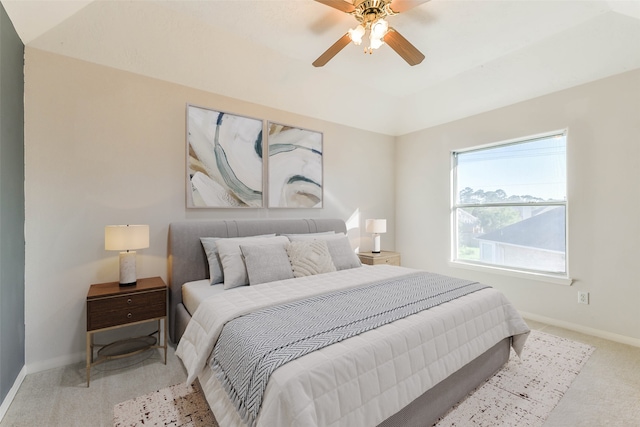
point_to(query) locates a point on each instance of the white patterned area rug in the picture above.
(525, 391)
(180, 405)
(522, 393)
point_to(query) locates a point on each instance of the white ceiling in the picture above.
(480, 54)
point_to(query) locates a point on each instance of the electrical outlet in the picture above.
(583, 297)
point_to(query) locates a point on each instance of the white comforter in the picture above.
(360, 381)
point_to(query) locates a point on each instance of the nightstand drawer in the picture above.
(390, 261)
(380, 261)
(123, 309)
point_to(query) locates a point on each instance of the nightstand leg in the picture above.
(165, 339)
(89, 356)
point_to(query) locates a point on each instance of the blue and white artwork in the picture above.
(224, 160)
(295, 167)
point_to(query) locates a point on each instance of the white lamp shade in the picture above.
(375, 43)
(126, 237)
(356, 34)
(376, 226)
(379, 29)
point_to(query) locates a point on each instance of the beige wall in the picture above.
(603, 120)
(108, 147)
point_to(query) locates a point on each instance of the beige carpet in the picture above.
(522, 393)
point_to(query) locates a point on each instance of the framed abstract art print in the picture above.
(224, 160)
(295, 167)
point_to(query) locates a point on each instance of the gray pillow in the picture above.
(216, 274)
(342, 255)
(233, 267)
(266, 263)
(211, 250)
(309, 257)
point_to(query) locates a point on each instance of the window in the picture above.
(510, 205)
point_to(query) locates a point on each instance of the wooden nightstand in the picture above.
(110, 306)
(384, 257)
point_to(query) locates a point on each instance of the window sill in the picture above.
(541, 277)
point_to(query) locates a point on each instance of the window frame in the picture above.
(539, 275)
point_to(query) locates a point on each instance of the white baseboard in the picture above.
(4, 407)
(583, 329)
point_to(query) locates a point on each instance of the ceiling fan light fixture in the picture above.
(356, 34)
(375, 43)
(379, 28)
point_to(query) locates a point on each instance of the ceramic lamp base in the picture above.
(128, 268)
(376, 243)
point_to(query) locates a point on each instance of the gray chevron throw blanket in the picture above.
(252, 346)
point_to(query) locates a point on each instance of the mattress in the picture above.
(193, 293)
(364, 379)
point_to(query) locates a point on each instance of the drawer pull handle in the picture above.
(129, 301)
(129, 316)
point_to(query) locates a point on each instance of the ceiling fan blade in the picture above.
(332, 51)
(341, 5)
(399, 6)
(406, 50)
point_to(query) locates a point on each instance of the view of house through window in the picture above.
(509, 205)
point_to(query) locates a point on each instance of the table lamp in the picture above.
(126, 238)
(376, 226)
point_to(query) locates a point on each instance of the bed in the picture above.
(407, 372)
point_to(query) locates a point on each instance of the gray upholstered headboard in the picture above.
(188, 262)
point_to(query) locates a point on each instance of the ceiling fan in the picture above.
(371, 15)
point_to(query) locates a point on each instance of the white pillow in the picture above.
(310, 257)
(216, 275)
(234, 269)
(266, 263)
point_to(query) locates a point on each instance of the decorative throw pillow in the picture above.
(266, 263)
(233, 267)
(309, 257)
(342, 254)
(216, 274)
